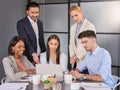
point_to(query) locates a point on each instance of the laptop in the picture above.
(43, 69)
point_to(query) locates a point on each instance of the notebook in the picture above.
(43, 69)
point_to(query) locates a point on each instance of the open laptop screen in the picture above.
(43, 69)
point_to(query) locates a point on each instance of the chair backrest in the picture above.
(3, 80)
(116, 81)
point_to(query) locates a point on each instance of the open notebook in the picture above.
(43, 69)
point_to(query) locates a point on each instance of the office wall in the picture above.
(11, 11)
(55, 21)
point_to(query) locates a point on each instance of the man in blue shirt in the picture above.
(97, 61)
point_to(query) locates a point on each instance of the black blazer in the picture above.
(25, 30)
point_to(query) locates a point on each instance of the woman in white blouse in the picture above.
(53, 55)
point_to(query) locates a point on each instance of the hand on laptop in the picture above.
(36, 58)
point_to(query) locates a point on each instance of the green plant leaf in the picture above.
(46, 81)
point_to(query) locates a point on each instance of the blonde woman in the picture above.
(77, 51)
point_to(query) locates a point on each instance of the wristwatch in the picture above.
(83, 78)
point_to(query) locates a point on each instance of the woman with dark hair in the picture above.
(53, 55)
(16, 65)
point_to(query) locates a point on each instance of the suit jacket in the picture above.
(25, 30)
(79, 51)
(11, 68)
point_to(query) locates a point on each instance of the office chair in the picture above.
(3, 80)
(116, 81)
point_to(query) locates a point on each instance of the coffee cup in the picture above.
(35, 79)
(75, 86)
(68, 78)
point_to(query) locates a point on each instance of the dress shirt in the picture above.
(98, 62)
(35, 28)
(63, 60)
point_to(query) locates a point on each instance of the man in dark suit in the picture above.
(30, 28)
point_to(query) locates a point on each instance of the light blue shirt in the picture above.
(98, 62)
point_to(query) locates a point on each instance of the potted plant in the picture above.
(46, 84)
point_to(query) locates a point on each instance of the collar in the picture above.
(32, 21)
(95, 51)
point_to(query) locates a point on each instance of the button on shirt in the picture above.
(98, 62)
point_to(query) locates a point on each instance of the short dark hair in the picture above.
(12, 43)
(31, 4)
(87, 33)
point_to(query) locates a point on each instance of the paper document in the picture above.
(96, 84)
(93, 88)
(13, 86)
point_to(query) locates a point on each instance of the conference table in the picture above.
(26, 85)
(41, 86)
(67, 86)
(20, 85)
